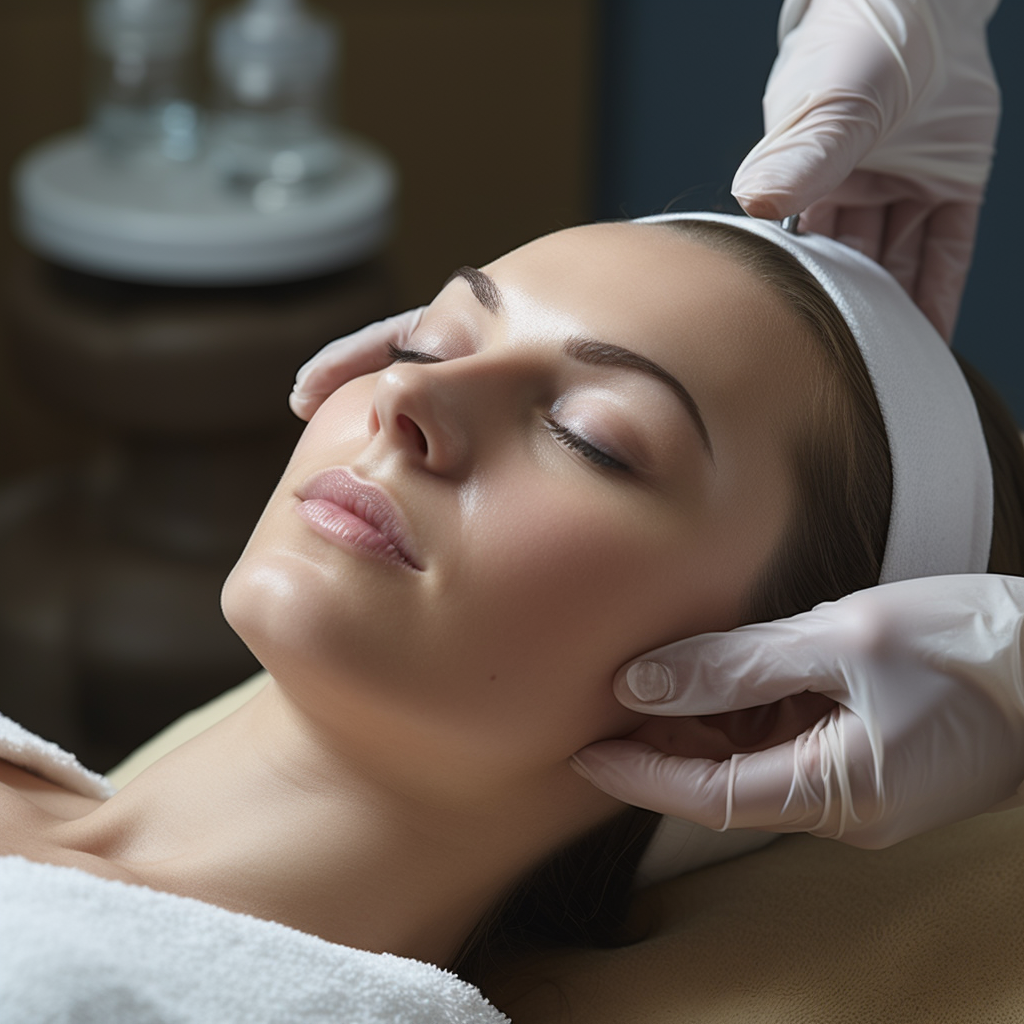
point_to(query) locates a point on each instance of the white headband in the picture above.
(941, 518)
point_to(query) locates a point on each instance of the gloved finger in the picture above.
(719, 672)
(745, 731)
(862, 228)
(820, 218)
(946, 258)
(807, 784)
(867, 190)
(903, 246)
(746, 791)
(365, 351)
(806, 156)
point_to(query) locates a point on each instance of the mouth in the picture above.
(355, 513)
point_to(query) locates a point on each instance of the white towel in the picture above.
(41, 757)
(77, 949)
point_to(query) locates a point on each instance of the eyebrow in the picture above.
(602, 353)
(482, 285)
(594, 353)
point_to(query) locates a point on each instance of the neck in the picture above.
(261, 815)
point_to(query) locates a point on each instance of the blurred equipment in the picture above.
(273, 64)
(143, 95)
(271, 193)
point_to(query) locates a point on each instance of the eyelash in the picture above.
(406, 355)
(576, 443)
(561, 433)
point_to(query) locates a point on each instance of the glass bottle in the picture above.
(142, 102)
(273, 67)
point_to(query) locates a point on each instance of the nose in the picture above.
(427, 412)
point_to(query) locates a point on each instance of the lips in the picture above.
(356, 513)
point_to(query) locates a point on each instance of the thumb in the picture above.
(807, 155)
(719, 672)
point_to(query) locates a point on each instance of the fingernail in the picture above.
(648, 681)
(577, 766)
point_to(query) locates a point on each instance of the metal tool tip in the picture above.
(791, 224)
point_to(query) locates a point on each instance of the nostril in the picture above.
(408, 426)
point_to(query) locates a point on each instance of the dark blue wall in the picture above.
(681, 106)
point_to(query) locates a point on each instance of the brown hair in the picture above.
(833, 546)
(835, 540)
(1006, 452)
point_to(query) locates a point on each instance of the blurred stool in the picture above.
(111, 568)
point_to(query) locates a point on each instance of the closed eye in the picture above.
(575, 443)
(405, 355)
(563, 434)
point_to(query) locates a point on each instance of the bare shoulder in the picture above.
(32, 813)
(20, 788)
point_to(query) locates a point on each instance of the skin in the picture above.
(411, 757)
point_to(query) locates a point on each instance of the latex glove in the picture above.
(927, 728)
(880, 120)
(365, 351)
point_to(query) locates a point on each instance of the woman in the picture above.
(614, 436)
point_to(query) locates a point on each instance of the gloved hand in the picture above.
(927, 726)
(362, 352)
(880, 120)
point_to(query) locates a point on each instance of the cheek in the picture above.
(342, 418)
(605, 574)
(556, 589)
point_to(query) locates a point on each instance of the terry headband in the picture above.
(941, 517)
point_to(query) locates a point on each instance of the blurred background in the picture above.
(143, 425)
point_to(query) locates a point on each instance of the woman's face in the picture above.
(586, 447)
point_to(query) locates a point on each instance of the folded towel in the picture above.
(45, 759)
(76, 949)
(79, 949)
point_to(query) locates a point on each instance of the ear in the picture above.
(718, 737)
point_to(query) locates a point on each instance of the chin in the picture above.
(302, 619)
(276, 602)
(256, 602)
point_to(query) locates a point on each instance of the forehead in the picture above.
(646, 280)
(730, 338)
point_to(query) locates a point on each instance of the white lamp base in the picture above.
(177, 224)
